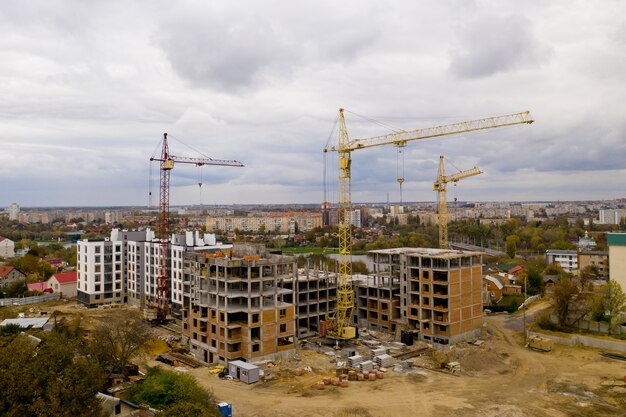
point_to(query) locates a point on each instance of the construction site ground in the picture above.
(499, 378)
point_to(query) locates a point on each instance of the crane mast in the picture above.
(344, 147)
(345, 294)
(161, 302)
(440, 185)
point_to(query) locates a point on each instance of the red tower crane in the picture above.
(161, 303)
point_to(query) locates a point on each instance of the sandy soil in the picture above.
(500, 378)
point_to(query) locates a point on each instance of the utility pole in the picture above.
(524, 311)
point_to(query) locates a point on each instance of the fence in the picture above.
(22, 301)
(529, 300)
(584, 340)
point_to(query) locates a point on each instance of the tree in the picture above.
(615, 302)
(511, 245)
(535, 282)
(359, 267)
(15, 289)
(564, 293)
(48, 379)
(116, 341)
(164, 389)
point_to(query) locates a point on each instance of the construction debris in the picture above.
(383, 360)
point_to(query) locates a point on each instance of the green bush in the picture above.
(163, 389)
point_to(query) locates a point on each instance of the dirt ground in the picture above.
(501, 378)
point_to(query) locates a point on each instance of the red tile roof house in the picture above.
(65, 283)
(9, 275)
(516, 269)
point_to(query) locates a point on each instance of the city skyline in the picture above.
(89, 89)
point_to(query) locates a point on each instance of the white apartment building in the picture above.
(611, 216)
(568, 259)
(125, 267)
(14, 211)
(274, 222)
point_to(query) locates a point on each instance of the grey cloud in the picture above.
(231, 50)
(492, 44)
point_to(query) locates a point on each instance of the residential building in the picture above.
(498, 284)
(14, 211)
(493, 290)
(439, 298)
(7, 247)
(377, 299)
(275, 222)
(617, 258)
(314, 295)
(611, 216)
(64, 283)
(10, 275)
(597, 259)
(355, 217)
(101, 269)
(234, 307)
(567, 259)
(125, 267)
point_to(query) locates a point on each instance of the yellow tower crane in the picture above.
(344, 148)
(440, 186)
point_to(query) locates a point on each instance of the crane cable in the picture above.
(400, 178)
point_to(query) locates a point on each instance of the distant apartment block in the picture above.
(124, 268)
(596, 259)
(276, 222)
(567, 259)
(14, 211)
(611, 216)
(7, 247)
(436, 293)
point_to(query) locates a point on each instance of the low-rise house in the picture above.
(516, 270)
(10, 275)
(493, 290)
(57, 263)
(64, 283)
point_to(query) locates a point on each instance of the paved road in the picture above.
(516, 322)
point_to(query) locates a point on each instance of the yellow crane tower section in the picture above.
(440, 186)
(344, 148)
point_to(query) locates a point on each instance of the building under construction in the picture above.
(435, 294)
(249, 304)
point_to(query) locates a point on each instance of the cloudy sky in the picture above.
(87, 89)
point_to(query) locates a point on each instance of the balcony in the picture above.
(443, 307)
